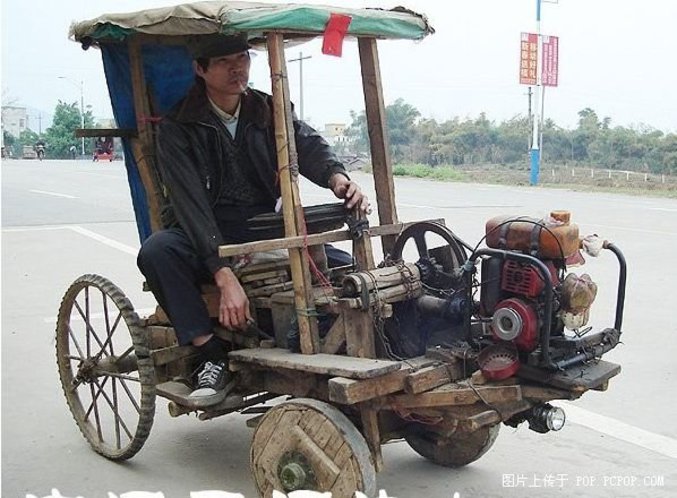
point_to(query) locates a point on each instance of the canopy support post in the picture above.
(143, 146)
(378, 138)
(294, 220)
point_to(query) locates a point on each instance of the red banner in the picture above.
(550, 62)
(528, 58)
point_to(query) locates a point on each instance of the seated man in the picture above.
(218, 163)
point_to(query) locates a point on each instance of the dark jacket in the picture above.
(192, 158)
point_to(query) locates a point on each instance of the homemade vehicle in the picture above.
(438, 344)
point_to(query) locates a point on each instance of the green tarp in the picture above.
(252, 17)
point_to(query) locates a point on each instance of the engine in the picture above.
(513, 297)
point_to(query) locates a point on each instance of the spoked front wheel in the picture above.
(106, 371)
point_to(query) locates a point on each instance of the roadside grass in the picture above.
(578, 177)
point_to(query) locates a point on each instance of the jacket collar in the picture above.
(195, 107)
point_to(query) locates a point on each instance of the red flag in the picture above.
(334, 33)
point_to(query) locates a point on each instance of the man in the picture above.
(218, 163)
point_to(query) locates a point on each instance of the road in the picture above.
(61, 219)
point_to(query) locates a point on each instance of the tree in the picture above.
(401, 119)
(61, 135)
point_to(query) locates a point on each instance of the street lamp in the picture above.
(82, 106)
(300, 60)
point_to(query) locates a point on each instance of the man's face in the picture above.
(226, 74)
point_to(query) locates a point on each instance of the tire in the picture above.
(457, 450)
(106, 373)
(308, 444)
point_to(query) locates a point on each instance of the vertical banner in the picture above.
(528, 58)
(550, 61)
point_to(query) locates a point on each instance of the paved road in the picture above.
(61, 219)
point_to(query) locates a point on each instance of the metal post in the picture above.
(300, 60)
(82, 113)
(535, 152)
(82, 106)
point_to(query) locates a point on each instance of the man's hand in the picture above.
(350, 191)
(234, 304)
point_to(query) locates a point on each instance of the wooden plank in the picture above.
(378, 137)
(312, 239)
(456, 394)
(320, 363)
(106, 132)
(427, 378)
(294, 223)
(143, 147)
(351, 391)
(359, 330)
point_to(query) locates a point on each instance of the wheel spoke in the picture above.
(75, 342)
(88, 327)
(124, 355)
(109, 339)
(129, 393)
(115, 402)
(95, 406)
(115, 412)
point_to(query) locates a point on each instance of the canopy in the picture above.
(167, 66)
(252, 17)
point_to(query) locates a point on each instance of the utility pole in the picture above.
(529, 95)
(535, 152)
(300, 60)
(82, 106)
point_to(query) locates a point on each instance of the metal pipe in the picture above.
(622, 277)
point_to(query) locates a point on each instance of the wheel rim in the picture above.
(106, 373)
(308, 444)
(418, 232)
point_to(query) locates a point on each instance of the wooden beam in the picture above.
(359, 329)
(313, 239)
(106, 132)
(294, 223)
(456, 394)
(350, 391)
(143, 147)
(378, 137)
(372, 434)
(336, 337)
(426, 379)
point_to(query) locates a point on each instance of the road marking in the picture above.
(669, 210)
(105, 240)
(620, 430)
(82, 231)
(55, 194)
(627, 229)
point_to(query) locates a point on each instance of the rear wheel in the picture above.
(106, 372)
(308, 444)
(457, 450)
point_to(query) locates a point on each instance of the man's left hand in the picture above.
(350, 192)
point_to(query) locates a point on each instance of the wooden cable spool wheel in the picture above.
(106, 373)
(456, 450)
(310, 445)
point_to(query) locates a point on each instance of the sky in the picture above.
(616, 57)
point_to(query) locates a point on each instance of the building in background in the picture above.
(14, 120)
(334, 133)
